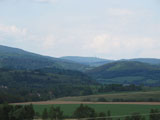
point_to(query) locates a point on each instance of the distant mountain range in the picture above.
(95, 62)
(147, 60)
(20, 59)
(126, 71)
(91, 61)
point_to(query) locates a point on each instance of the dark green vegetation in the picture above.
(46, 84)
(152, 96)
(54, 113)
(42, 84)
(127, 73)
(20, 59)
(147, 60)
(102, 110)
(8, 112)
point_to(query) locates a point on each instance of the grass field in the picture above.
(139, 96)
(116, 109)
(69, 104)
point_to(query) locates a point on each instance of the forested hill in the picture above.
(127, 72)
(153, 61)
(20, 59)
(42, 84)
(96, 62)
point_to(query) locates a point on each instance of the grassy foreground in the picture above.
(116, 109)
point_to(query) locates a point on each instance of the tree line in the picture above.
(17, 112)
(34, 92)
(27, 112)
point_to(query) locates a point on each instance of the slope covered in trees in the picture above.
(20, 59)
(50, 83)
(42, 84)
(127, 72)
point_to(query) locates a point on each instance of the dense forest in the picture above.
(49, 83)
(42, 84)
(127, 73)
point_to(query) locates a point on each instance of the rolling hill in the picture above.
(147, 60)
(96, 62)
(127, 72)
(19, 59)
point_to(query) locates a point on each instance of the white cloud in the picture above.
(120, 12)
(48, 42)
(107, 44)
(19, 37)
(12, 30)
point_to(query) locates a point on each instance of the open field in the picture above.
(116, 109)
(69, 104)
(135, 96)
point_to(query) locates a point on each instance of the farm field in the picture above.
(116, 109)
(130, 96)
(69, 104)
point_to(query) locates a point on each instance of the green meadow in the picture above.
(116, 109)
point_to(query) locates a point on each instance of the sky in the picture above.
(111, 29)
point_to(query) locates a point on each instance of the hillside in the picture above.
(20, 59)
(42, 84)
(96, 62)
(91, 61)
(147, 60)
(127, 72)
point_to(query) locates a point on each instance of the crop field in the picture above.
(116, 109)
(130, 96)
(69, 104)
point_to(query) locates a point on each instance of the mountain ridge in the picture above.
(21, 59)
(96, 62)
(91, 61)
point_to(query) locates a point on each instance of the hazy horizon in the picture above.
(90, 28)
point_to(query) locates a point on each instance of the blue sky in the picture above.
(112, 29)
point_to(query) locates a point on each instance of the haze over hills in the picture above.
(127, 72)
(95, 62)
(147, 60)
(91, 61)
